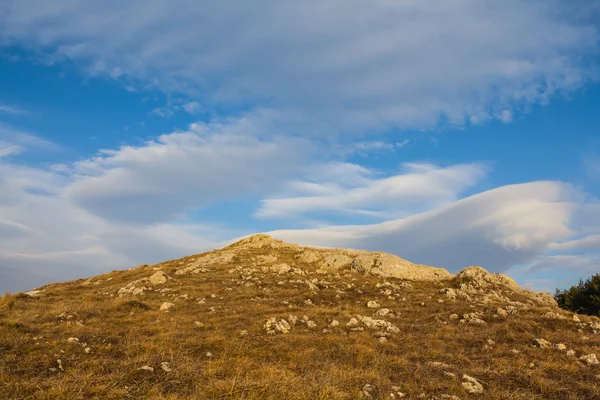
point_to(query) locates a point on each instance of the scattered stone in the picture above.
(369, 390)
(472, 385)
(73, 340)
(383, 312)
(165, 367)
(373, 304)
(311, 324)
(198, 324)
(158, 278)
(308, 302)
(560, 347)
(576, 318)
(541, 343)
(352, 322)
(166, 306)
(335, 262)
(243, 333)
(590, 359)
(334, 323)
(146, 368)
(571, 353)
(273, 326)
(397, 393)
(552, 315)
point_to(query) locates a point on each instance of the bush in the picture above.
(583, 298)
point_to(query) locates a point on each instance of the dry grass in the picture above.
(127, 333)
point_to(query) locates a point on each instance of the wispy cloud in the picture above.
(12, 110)
(350, 65)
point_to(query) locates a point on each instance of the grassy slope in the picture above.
(127, 333)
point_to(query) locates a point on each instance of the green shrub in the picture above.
(583, 298)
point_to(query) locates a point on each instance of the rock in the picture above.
(293, 319)
(471, 385)
(34, 293)
(165, 367)
(334, 323)
(560, 347)
(397, 393)
(541, 298)
(449, 374)
(479, 278)
(453, 316)
(369, 390)
(198, 324)
(590, 359)
(335, 262)
(473, 318)
(166, 306)
(158, 278)
(146, 368)
(552, 315)
(541, 343)
(383, 312)
(281, 269)
(311, 324)
(373, 304)
(352, 322)
(378, 324)
(309, 256)
(273, 326)
(388, 265)
(576, 318)
(308, 302)
(450, 397)
(73, 340)
(243, 333)
(571, 353)
(87, 350)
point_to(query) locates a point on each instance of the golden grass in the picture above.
(127, 333)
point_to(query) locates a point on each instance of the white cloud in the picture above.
(184, 171)
(193, 107)
(346, 65)
(591, 242)
(12, 110)
(419, 188)
(402, 144)
(496, 229)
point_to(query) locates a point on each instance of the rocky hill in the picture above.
(264, 319)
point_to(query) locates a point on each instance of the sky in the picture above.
(451, 133)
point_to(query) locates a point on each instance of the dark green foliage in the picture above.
(583, 298)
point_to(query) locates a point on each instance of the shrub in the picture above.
(583, 298)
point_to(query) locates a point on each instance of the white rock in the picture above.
(541, 343)
(73, 340)
(273, 326)
(146, 368)
(166, 306)
(352, 322)
(373, 304)
(471, 384)
(334, 323)
(158, 278)
(590, 359)
(165, 367)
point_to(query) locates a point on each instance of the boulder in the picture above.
(335, 262)
(391, 266)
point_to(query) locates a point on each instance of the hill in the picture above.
(264, 319)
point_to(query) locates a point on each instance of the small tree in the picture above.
(583, 298)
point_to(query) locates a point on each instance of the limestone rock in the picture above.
(472, 385)
(390, 266)
(590, 359)
(373, 304)
(541, 343)
(479, 278)
(274, 325)
(166, 306)
(158, 278)
(335, 262)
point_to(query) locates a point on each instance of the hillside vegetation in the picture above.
(263, 319)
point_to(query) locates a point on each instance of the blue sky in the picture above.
(451, 134)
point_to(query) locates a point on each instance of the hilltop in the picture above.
(265, 319)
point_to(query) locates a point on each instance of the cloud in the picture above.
(419, 188)
(348, 65)
(184, 171)
(496, 229)
(591, 242)
(12, 110)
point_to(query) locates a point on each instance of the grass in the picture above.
(127, 333)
